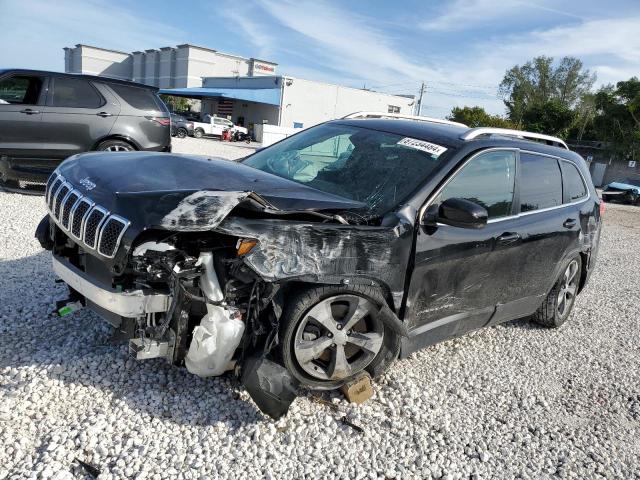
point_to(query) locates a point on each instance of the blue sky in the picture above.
(460, 48)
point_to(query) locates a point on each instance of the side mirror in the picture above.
(457, 212)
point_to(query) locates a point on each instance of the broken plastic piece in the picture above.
(270, 385)
(90, 469)
(69, 308)
(357, 428)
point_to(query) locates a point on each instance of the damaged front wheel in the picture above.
(331, 334)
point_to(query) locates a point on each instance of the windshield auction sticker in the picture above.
(432, 148)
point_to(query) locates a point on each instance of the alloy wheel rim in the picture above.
(568, 289)
(338, 337)
(117, 148)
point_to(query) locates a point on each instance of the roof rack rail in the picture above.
(477, 132)
(402, 117)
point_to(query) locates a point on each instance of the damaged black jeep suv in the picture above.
(328, 254)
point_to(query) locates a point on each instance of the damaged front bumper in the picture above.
(132, 303)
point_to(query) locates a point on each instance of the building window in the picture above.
(393, 109)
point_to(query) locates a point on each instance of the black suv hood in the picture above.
(160, 181)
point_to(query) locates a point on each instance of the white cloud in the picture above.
(34, 32)
(464, 14)
(253, 31)
(345, 41)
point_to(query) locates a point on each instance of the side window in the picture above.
(137, 97)
(218, 121)
(573, 187)
(75, 93)
(393, 109)
(488, 180)
(540, 182)
(20, 90)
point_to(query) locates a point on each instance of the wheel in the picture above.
(198, 133)
(557, 307)
(181, 133)
(331, 333)
(115, 146)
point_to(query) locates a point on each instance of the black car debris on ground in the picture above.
(46, 117)
(328, 254)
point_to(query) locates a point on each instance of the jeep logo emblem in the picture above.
(87, 184)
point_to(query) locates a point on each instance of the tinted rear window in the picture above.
(573, 186)
(137, 97)
(75, 93)
(540, 182)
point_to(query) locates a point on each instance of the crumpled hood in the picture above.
(160, 189)
(623, 186)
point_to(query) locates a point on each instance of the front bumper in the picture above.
(130, 303)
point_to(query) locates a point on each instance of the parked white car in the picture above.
(215, 126)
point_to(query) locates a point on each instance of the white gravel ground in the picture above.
(512, 401)
(212, 146)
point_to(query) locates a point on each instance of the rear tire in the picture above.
(198, 133)
(377, 348)
(557, 307)
(115, 146)
(181, 133)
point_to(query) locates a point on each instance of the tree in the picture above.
(529, 89)
(478, 117)
(176, 104)
(617, 117)
(552, 116)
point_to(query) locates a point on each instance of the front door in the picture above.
(77, 116)
(22, 98)
(460, 274)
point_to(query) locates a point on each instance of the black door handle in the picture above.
(28, 111)
(508, 238)
(104, 114)
(570, 223)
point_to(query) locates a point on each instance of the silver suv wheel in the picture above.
(338, 337)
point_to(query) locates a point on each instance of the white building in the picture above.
(286, 101)
(168, 67)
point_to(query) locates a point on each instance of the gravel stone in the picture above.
(511, 401)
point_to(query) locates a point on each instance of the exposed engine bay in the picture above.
(204, 288)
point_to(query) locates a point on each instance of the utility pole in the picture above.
(419, 105)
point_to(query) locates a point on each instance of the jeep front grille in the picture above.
(92, 225)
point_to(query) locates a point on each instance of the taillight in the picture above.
(164, 121)
(602, 208)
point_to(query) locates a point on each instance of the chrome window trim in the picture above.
(432, 197)
(97, 208)
(117, 218)
(73, 212)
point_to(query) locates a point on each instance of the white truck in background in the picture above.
(215, 126)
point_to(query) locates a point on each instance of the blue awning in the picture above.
(270, 96)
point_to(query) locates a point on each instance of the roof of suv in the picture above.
(77, 75)
(450, 135)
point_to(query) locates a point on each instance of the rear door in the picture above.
(549, 228)
(458, 275)
(78, 114)
(22, 98)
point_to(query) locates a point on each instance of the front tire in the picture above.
(557, 307)
(199, 133)
(115, 146)
(181, 133)
(330, 334)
